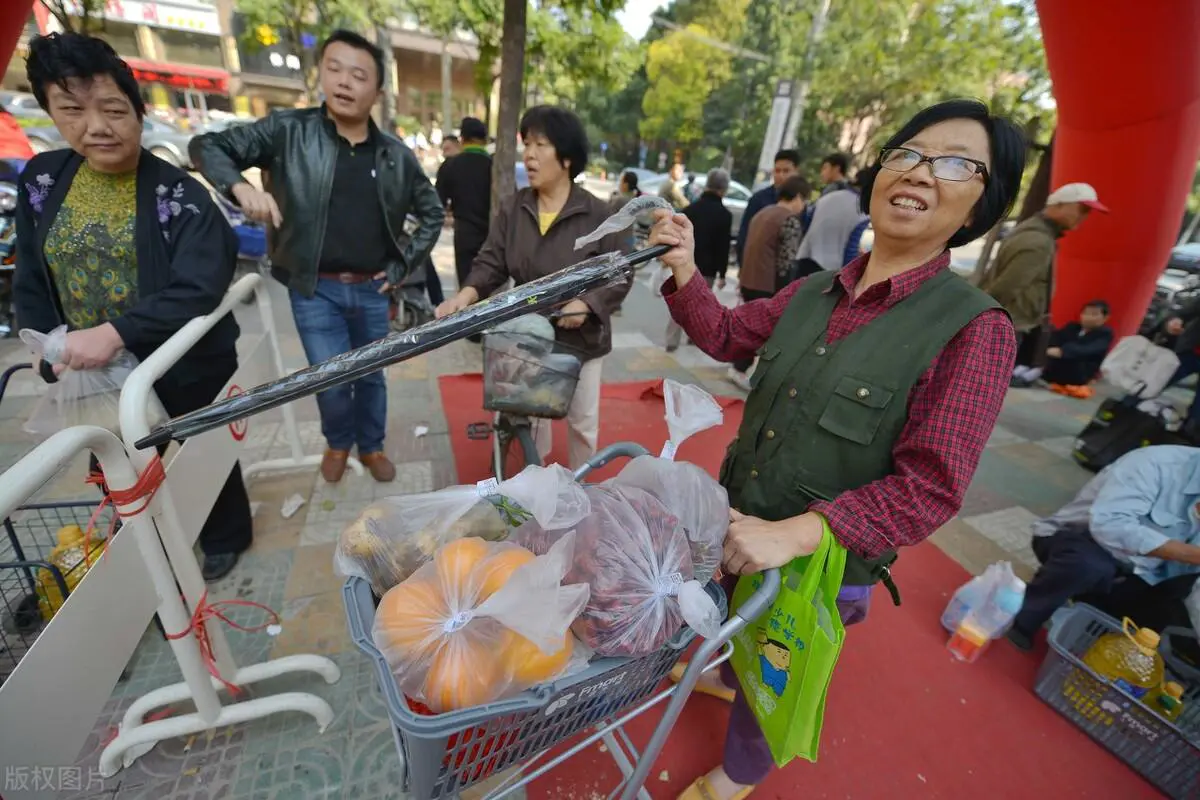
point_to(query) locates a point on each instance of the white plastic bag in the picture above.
(395, 536)
(621, 220)
(635, 556)
(1138, 366)
(480, 622)
(84, 396)
(686, 490)
(980, 599)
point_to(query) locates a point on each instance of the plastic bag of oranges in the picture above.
(394, 536)
(481, 621)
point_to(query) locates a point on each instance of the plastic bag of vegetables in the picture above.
(395, 536)
(686, 490)
(635, 557)
(480, 622)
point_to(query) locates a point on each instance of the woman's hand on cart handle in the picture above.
(675, 230)
(465, 297)
(753, 545)
(572, 315)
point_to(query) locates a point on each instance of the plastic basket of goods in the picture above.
(526, 372)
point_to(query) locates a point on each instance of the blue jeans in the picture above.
(340, 317)
(1189, 364)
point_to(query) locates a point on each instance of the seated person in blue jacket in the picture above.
(125, 249)
(1076, 350)
(1128, 544)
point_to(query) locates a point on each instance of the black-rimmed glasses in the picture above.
(946, 168)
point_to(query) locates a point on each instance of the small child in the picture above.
(1075, 353)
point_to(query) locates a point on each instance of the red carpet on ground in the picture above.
(903, 720)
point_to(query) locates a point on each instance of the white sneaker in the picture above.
(739, 379)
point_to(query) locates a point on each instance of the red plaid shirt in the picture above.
(951, 409)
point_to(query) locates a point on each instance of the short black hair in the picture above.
(793, 187)
(630, 178)
(57, 57)
(450, 137)
(838, 160)
(564, 130)
(788, 155)
(358, 42)
(1100, 305)
(1007, 145)
(473, 128)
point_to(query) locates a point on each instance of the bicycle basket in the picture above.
(528, 375)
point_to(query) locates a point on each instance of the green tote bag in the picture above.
(784, 660)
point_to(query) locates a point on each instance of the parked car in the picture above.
(736, 197)
(21, 104)
(160, 138)
(1185, 257)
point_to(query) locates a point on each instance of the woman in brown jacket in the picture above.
(534, 235)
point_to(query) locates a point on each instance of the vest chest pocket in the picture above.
(855, 409)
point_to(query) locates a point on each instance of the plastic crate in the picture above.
(1167, 755)
(528, 376)
(26, 541)
(447, 753)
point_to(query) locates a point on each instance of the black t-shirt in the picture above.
(356, 235)
(465, 184)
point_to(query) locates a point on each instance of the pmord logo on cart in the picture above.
(588, 691)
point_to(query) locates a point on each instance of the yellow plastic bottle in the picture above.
(1167, 702)
(73, 555)
(1129, 659)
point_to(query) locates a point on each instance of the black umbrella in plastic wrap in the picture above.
(543, 293)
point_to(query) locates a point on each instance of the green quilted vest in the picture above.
(821, 418)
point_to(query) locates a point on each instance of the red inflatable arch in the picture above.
(1127, 82)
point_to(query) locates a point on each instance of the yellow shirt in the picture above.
(545, 220)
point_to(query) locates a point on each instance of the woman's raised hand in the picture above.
(675, 230)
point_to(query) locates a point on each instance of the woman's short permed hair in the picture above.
(57, 57)
(1007, 144)
(565, 132)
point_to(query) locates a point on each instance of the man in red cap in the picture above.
(1023, 277)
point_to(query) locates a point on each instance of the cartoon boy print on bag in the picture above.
(774, 660)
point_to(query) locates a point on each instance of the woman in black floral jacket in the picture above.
(124, 249)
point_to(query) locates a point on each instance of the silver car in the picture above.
(736, 197)
(160, 138)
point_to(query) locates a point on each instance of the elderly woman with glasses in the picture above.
(877, 387)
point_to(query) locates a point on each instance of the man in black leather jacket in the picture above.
(340, 190)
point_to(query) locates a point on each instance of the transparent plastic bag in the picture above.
(687, 491)
(82, 396)
(626, 216)
(480, 622)
(634, 555)
(395, 536)
(522, 373)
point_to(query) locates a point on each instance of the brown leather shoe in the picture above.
(333, 465)
(379, 466)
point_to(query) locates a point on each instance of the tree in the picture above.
(303, 24)
(80, 16)
(508, 40)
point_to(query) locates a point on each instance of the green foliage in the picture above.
(291, 21)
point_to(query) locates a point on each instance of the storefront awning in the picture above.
(181, 76)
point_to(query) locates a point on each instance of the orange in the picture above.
(456, 562)
(497, 570)
(463, 673)
(409, 620)
(526, 664)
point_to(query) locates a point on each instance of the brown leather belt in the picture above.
(347, 277)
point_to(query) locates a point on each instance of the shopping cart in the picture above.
(443, 755)
(32, 584)
(1166, 754)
